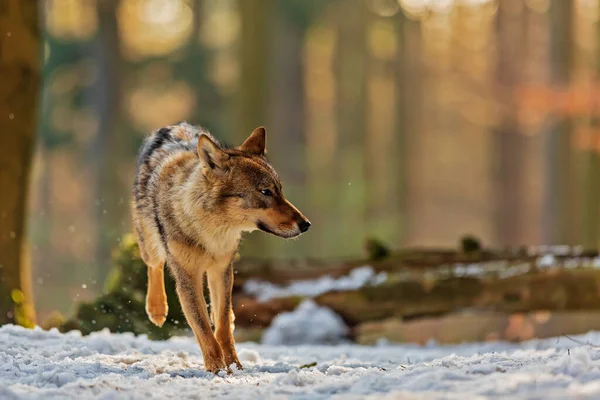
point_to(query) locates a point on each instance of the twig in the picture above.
(581, 343)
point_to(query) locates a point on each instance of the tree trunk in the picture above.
(410, 83)
(194, 70)
(20, 68)
(321, 136)
(253, 89)
(255, 55)
(591, 187)
(350, 69)
(560, 194)
(109, 205)
(384, 138)
(510, 141)
(287, 144)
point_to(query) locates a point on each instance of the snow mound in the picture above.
(546, 261)
(249, 356)
(307, 324)
(357, 278)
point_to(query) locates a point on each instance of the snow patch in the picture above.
(463, 270)
(357, 278)
(307, 324)
(546, 261)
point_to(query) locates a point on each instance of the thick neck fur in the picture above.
(193, 194)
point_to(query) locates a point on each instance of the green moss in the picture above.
(121, 308)
(470, 244)
(376, 250)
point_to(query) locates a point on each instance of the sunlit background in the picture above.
(411, 121)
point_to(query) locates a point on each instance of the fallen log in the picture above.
(556, 289)
(410, 259)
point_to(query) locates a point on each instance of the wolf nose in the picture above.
(303, 225)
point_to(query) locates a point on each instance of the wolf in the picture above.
(193, 198)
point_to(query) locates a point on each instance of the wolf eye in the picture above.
(266, 192)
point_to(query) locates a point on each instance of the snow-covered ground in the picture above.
(35, 364)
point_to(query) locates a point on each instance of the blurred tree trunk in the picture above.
(109, 202)
(253, 90)
(193, 68)
(410, 84)
(591, 184)
(255, 55)
(384, 139)
(350, 70)
(288, 144)
(20, 68)
(510, 142)
(320, 135)
(287, 147)
(560, 194)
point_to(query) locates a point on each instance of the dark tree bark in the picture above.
(20, 69)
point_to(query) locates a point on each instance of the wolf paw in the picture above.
(233, 359)
(215, 365)
(157, 312)
(238, 365)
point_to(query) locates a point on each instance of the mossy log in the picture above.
(411, 259)
(552, 290)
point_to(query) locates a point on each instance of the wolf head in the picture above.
(244, 190)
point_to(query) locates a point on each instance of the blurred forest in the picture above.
(412, 121)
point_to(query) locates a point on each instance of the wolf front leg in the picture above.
(220, 284)
(190, 293)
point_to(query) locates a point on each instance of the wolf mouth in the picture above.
(263, 227)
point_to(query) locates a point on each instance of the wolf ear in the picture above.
(256, 143)
(210, 154)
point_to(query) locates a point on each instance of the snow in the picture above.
(559, 250)
(357, 278)
(46, 364)
(546, 261)
(307, 324)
